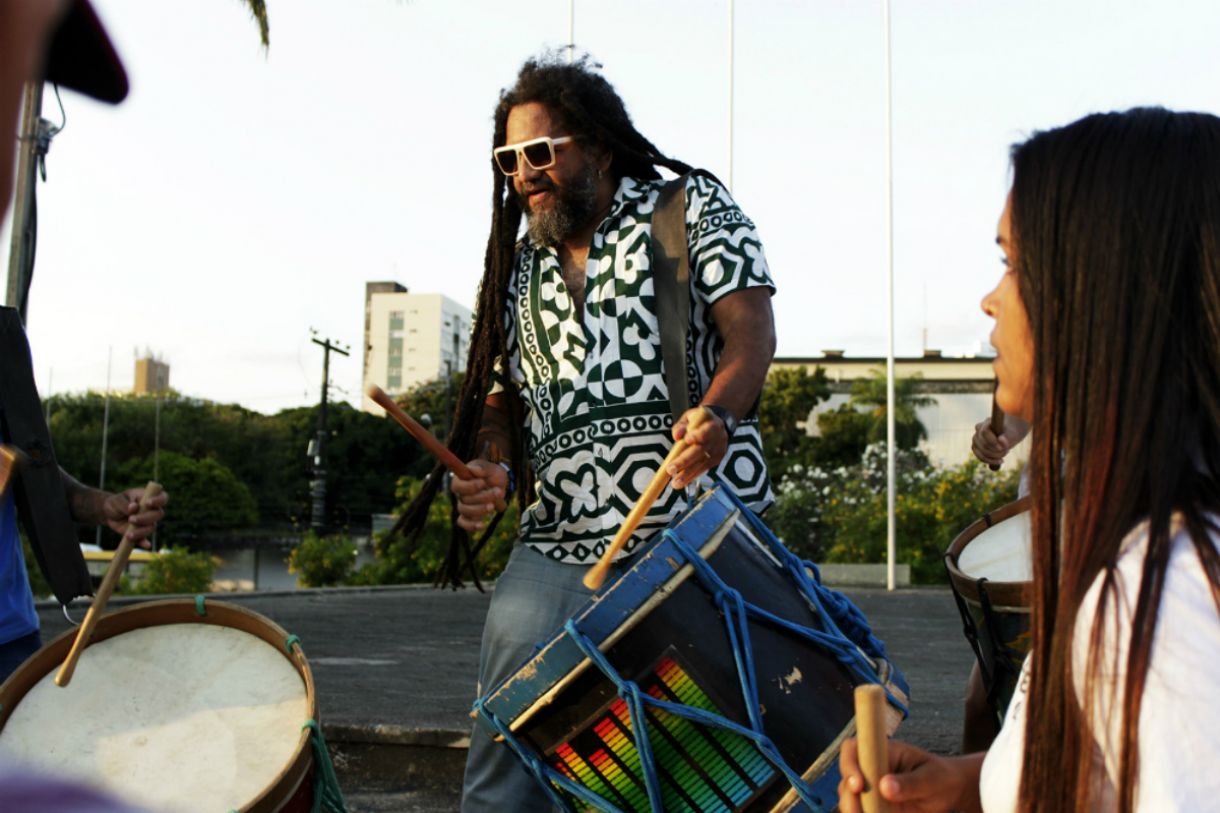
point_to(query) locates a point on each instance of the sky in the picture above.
(241, 197)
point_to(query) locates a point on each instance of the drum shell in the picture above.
(998, 611)
(291, 791)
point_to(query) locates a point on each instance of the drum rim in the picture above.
(1009, 595)
(166, 612)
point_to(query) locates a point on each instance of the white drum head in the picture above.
(1001, 553)
(177, 718)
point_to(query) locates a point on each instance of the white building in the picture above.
(962, 388)
(410, 339)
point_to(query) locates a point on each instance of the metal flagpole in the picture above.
(101, 480)
(571, 31)
(731, 44)
(890, 433)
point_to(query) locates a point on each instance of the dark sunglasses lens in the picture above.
(539, 155)
(507, 161)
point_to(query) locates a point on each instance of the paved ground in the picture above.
(394, 669)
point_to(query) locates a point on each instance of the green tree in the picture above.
(788, 397)
(842, 437)
(206, 498)
(871, 393)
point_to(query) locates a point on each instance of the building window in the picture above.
(393, 382)
(396, 320)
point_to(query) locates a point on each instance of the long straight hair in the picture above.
(1116, 227)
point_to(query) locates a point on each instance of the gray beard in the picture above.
(575, 203)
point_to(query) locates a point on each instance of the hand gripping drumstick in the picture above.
(871, 745)
(597, 574)
(997, 422)
(117, 565)
(426, 439)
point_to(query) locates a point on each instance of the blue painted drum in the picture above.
(717, 674)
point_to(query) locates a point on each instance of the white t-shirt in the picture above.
(1179, 751)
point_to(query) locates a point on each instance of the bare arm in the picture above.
(746, 322)
(120, 512)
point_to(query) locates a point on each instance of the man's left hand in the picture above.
(122, 514)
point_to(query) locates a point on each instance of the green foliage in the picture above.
(842, 437)
(840, 515)
(364, 453)
(322, 561)
(174, 570)
(788, 397)
(206, 498)
(871, 392)
(401, 561)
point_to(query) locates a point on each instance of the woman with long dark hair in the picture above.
(1107, 334)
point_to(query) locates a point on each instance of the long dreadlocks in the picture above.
(582, 102)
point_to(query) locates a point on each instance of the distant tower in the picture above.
(152, 375)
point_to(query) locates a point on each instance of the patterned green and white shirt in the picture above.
(597, 409)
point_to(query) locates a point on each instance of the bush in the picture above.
(322, 561)
(174, 570)
(840, 515)
(402, 561)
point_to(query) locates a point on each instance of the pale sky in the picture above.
(240, 197)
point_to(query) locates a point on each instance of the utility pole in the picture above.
(317, 449)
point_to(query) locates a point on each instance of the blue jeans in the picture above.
(533, 598)
(15, 652)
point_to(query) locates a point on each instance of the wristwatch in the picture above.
(727, 418)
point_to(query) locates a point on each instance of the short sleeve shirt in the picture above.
(598, 419)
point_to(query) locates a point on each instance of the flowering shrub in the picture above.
(840, 515)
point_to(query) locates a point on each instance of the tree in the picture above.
(206, 497)
(871, 392)
(788, 397)
(842, 437)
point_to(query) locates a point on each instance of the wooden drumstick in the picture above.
(117, 565)
(597, 574)
(871, 745)
(997, 422)
(426, 439)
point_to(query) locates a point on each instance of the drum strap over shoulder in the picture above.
(671, 282)
(42, 503)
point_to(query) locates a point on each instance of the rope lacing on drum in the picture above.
(289, 641)
(327, 796)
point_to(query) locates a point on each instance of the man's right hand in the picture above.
(476, 497)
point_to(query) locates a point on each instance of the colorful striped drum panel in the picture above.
(700, 768)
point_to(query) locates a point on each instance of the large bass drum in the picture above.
(176, 705)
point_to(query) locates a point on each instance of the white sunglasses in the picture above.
(538, 153)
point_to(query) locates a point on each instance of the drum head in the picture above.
(172, 716)
(1001, 553)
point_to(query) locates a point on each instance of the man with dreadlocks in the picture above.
(565, 394)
